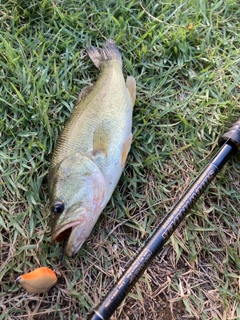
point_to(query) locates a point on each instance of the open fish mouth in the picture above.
(65, 231)
(74, 232)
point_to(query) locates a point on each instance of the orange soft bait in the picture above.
(39, 280)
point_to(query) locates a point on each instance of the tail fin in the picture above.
(109, 51)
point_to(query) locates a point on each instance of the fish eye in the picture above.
(58, 208)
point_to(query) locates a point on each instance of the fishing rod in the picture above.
(230, 145)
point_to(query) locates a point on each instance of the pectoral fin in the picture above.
(125, 149)
(101, 140)
(131, 86)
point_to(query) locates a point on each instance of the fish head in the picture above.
(77, 196)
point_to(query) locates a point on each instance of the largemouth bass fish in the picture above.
(92, 149)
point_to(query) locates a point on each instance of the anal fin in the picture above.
(131, 86)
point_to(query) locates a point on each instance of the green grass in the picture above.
(185, 57)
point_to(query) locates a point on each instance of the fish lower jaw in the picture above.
(78, 236)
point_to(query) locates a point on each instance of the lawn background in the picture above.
(185, 57)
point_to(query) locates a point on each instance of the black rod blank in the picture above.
(230, 145)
